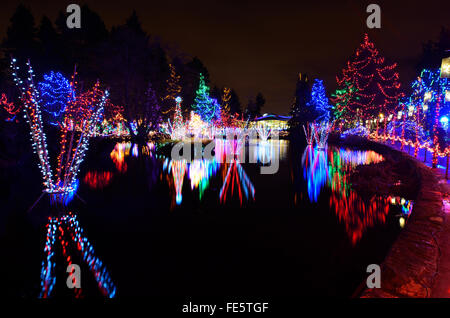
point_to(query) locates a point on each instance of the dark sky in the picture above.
(261, 45)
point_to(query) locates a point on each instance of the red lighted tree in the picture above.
(376, 85)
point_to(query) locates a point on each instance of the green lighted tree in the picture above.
(208, 108)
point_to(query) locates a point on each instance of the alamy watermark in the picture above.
(73, 21)
(374, 279)
(74, 278)
(237, 141)
(373, 21)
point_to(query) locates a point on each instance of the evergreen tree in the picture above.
(20, 38)
(376, 85)
(341, 98)
(173, 90)
(235, 104)
(152, 109)
(259, 102)
(319, 101)
(55, 93)
(134, 24)
(302, 112)
(178, 116)
(208, 108)
(434, 52)
(50, 47)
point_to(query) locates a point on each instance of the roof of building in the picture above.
(272, 116)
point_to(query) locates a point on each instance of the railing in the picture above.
(426, 147)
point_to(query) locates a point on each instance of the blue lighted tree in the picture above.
(208, 108)
(55, 92)
(319, 101)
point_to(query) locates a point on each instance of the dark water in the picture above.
(162, 227)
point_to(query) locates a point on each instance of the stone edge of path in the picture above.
(411, 265)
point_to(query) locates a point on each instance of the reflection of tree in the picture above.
(118, 156)
(123, 149)
(315, 170)
(98, 179)
(72, 240)
(236, 175)
(333, 168)
(199, 173)
(178, 170)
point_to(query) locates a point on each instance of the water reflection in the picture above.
(226, 163)
(67, 231)
(98, 179)
(236, 175)
(118, 154)
(123, 149)
(332, 167)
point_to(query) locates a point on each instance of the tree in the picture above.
(153, 109)
(260, 101)
(55, 93)
(376, 85)
(302, 112)
(50, 46)
(208, 108)
(146, 118)
(178, 116)
(20, 38)
(226, 96)
(235, 104)
(250, 110)
(341, 98)
(82, 46)
(319, 101)
(197, 66)
(173, 89)
(434, 52)
(134, 24)
(129, 62)
(254, 106)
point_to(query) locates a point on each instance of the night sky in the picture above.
(260, 46)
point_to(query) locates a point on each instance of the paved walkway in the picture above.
(441, 287)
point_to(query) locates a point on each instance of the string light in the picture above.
(81, 116)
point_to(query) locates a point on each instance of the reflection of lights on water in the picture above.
(446, 204)
(315, 170)
(48, 277)
(235, 179)
(332, 168)
(134, 151)
(322, 167)
(236, 175)
(402, 222)
(200, 171)
(178, 169)
(118, 156)
(71, 232)
(122, 150)
(97, 179)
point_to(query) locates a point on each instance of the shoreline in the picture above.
(411, 266)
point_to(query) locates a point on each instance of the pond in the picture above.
(156, 226)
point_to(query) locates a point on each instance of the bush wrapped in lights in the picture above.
(81, 117)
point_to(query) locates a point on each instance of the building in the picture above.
(272, 121)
